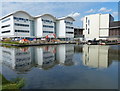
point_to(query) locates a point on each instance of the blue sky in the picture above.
(59, 9)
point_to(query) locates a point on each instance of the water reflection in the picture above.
(95, 56)
(46, 57)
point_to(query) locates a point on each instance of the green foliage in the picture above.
(13, 85)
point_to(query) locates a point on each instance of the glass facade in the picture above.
(48, 32)
(24, 31)
(5, 31)
(67, 22)
(69, 27)
(5, 26)
(25, 25)
(69, 32)
(47, 26)
(49, 21)
(21, 19)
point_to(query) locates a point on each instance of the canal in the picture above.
(62, 66)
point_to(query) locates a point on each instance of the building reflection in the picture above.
(17, 59)
(46, 57)
(96, 56)
(64, 54)
(23, 59)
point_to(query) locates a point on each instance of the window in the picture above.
(47, 21)
(67, 22)
(86, 19)
(25, 25)
(69, 32)
(25, 31)
(69, 27)
(6, 52)
(88, 22)
(6, 31)
(5, 20)
(86, 26)
(47, 31)
(47, 26)
(5, 26)
(88, 31)
(21, 19)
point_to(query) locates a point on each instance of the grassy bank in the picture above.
(11, 85)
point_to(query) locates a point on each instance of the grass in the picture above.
(11, 85)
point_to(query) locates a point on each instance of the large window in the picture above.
(67, 22)
(5, 20)
(88, 31)
(69, 32)
(5, 26)
(86, 26)
(49, 21)
(86, 19)
(25, 25)
(21, 19)
(24, 31)
(47, 26)
(88, 22)
(69, 27)
(6, 31)
(48, 32)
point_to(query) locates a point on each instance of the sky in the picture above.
(77, 10)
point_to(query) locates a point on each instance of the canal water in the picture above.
(62, 66)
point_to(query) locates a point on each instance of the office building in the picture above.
(78, 33)
(65, 29)
(114, 30)
(96, 26)
(21, 24)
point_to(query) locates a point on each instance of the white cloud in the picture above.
(90, 11)
(103, 9)
(115, 14)
(76, 14)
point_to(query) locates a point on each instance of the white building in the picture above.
(22, 24)
(96, 26)
(45, 25)
(65, 29)
(17, 24)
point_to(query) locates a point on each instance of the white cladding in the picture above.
(16, 25)
(96, 26)
(45, 25)
(21, 24)
(65, 28)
